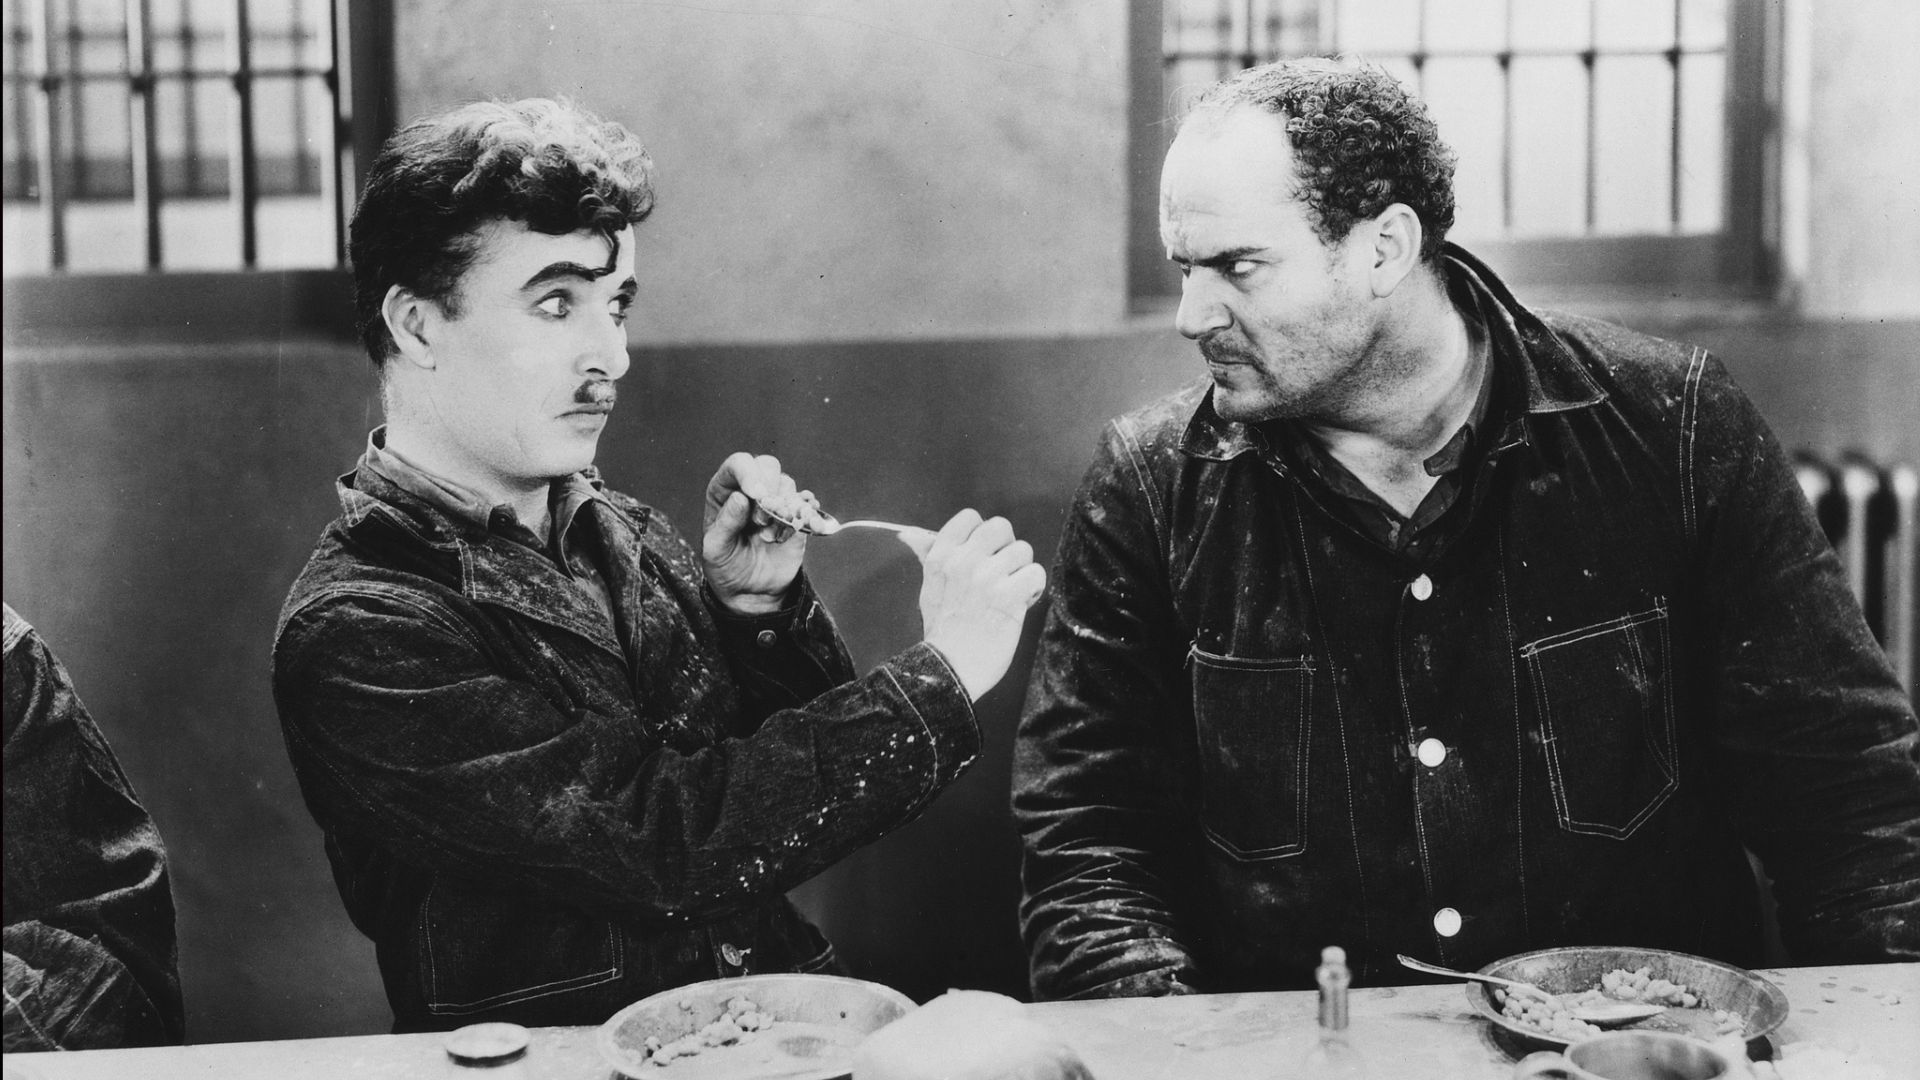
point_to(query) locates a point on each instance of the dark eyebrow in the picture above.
(558, 271)
(1223, 258)
(564, 269)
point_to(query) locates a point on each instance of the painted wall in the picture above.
(1863, 161)
(833, 169)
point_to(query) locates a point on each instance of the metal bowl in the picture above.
(820, 1020)
(1570, 970)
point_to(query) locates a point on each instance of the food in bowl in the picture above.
(1552, 1014)
(741, 1020)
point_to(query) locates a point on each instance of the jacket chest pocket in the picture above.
(1250, 720)
(1605, 696)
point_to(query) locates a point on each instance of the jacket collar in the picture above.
(492, 568)
(1525, 350)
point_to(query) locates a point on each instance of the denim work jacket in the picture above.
(91, 959)
(539, 815)
(1252, 732)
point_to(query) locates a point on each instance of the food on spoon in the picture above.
(1553, 1014)
(967, 1035)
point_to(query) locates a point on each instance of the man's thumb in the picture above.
(920, 540)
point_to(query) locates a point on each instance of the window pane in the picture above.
(105, 235)
(1208, 28)
(199, 234)
(1466, 101)
(1703, 24)
(1633, 24)
(101, 140)
(25, 224)
(1549, 147)
(1466, 26)
(1379, 28)
(1550, 25)
(1703, 122)
(1633, 125)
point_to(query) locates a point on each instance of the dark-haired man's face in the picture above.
(523, 378)
(1282, 318)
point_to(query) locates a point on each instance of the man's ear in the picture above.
(408, 316)
(1397, 235)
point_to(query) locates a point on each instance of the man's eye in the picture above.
(1240, 268)
(555, 306)
(618, 308)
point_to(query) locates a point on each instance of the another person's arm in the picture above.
(89, 918)
(1819, 749)
(1095, 766)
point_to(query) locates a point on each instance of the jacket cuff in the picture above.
(1162, 983)
(935, 696)
(792, 654)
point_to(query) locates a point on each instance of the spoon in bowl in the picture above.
(1602, 1014)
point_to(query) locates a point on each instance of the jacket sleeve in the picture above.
(1095, 787)
(90, 947)
(1819, 743)
(377, 688)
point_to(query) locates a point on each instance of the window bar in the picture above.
(1588, 58)
(193, 164)
(1673, 158)
(1419, 56)
(1222, 39)
(46, 116)
(20, 100)
(333, 172)
(1506, 124)
(242, 175)
(142, 126)
(1248, 57)
(79, 174)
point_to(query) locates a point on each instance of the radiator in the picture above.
(1868, 511)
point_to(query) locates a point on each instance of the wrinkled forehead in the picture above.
(1227, 165)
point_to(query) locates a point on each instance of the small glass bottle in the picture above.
(1333, 1055)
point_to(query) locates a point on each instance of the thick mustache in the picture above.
(1219, 349)
(596, 392)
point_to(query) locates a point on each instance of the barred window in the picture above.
(1622, 142)
(172, 135)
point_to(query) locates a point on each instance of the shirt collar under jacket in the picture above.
(566, 495)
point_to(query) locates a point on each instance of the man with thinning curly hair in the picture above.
(1431, 624)
(563, 758)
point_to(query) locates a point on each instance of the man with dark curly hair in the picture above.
(562, 758)
(1431, 624)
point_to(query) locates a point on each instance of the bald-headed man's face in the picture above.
(1282, 318)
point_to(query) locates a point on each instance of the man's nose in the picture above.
(607, 354)
(1201, 309)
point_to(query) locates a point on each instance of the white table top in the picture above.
(1410, 1033)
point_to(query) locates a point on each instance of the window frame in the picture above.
(161, 306)
(1739, 263)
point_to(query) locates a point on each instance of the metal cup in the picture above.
(1632, 1055)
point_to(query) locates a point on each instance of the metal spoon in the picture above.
(1605, 1014)
(825, 524)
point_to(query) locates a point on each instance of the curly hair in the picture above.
(548, 164)
(1362, 142)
